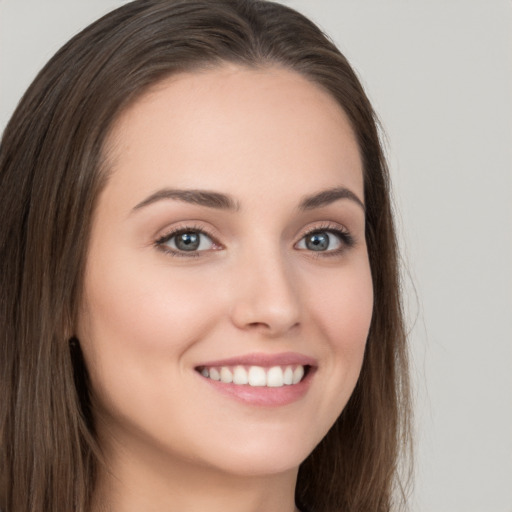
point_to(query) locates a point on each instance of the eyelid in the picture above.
(162, 239)
(345, 237)
(341, 232)
(324, 226)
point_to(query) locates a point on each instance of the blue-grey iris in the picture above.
(317, 241)
(187, 241)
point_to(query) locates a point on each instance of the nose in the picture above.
(266, 296)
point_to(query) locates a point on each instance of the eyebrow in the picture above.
(329, 196)
(200, 197)
(221, 201)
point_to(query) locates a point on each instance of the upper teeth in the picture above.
(274, 377)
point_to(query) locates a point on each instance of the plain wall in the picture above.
(439, 73)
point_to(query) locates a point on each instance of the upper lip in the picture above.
(264, 360)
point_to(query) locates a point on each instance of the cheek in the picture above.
(144, 310)
(136, 329)
(344, 307)
(343, 311)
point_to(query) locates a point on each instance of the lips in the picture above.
(261, 379)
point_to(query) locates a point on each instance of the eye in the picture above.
(187, 241)
(329, 240)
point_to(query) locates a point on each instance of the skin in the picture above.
(268, 138)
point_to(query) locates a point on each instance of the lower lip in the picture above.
(262, 395)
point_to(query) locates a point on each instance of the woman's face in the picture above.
(227, 244)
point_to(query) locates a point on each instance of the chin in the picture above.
(264, 454)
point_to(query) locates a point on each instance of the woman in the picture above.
(200, 294)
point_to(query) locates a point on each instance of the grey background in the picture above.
(439, 73)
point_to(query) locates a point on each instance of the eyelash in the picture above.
(346, 239)
(160, 243)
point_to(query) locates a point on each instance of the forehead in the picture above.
(213, 127)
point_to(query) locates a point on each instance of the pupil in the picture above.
(187, 241)
(317, 241)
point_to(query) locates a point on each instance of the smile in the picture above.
(256, 376)
(258, 379)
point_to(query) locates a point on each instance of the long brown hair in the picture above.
(52, 167)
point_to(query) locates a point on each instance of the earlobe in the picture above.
(67, 325)
(75, 353)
